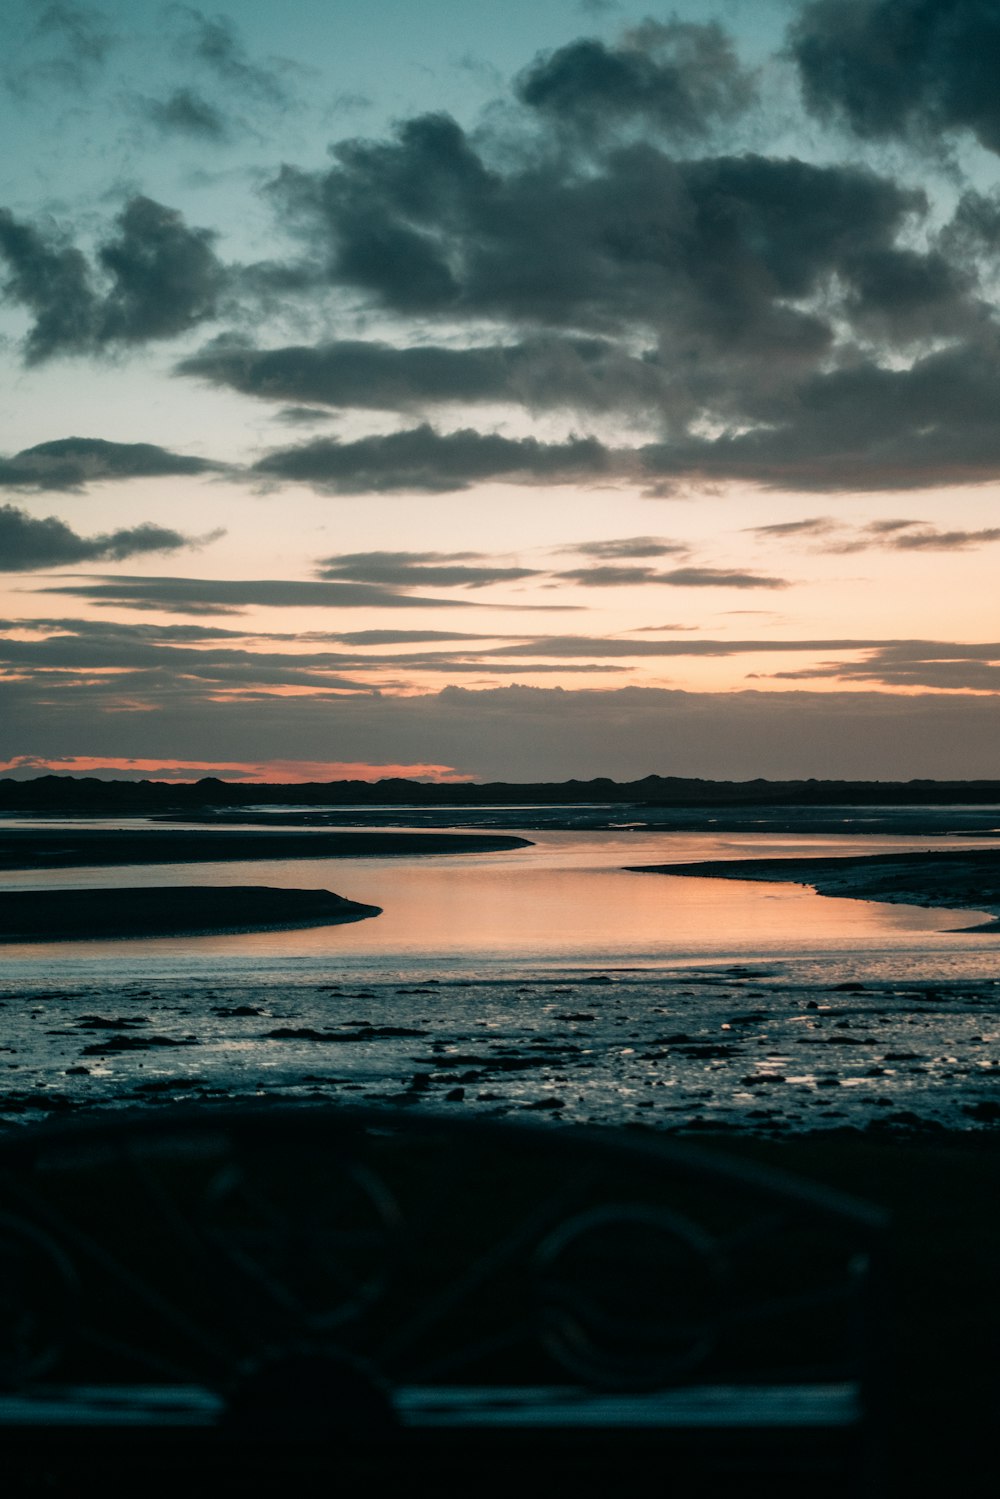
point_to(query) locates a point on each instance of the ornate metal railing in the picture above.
(304, 1274)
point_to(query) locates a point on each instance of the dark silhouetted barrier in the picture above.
(308, 1290)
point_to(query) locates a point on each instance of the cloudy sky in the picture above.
(500, 389)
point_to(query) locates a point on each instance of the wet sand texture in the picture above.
(66, 848)
(54, 915)
(962, 879)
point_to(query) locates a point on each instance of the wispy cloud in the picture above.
(930, 664)
(214, 44)
(228, 595)
(416, 569)
(828, 535)
(628, 547)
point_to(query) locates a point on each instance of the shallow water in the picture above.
(546, 978)
(566, 901)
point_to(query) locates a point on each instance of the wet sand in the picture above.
(69, 848)
(167, 911)
(749, 1050)
(954, 879)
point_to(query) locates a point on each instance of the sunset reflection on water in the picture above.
(568, 898)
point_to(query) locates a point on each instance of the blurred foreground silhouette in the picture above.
(228, 1294)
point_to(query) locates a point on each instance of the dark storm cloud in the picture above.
(712, 250)
(54, 281)
(909, 296)
(355, 373)
(186, 112)
(904, 68)
(540, 373)
(27, 543)
(763, 319)
(424, 459)
(416, 569)
(165, 276)
(974, 228)
(154, 277)
(781, 305)
(676, 77)
(71, 462)
(863, 427)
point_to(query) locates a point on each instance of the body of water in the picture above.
(549, 977)
(566, 901)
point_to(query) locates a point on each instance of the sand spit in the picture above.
(67, 848)
(62, 915)
(962, 879)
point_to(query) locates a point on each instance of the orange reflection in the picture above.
(566, 899)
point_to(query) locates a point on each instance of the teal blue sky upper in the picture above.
(199, 107)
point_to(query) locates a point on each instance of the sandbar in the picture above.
(171, 911)
(65, 848)
(962, 879)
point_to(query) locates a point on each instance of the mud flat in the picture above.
(58, 915)
(66, 848)
(955, 879)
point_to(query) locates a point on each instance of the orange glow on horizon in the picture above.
(295, 772)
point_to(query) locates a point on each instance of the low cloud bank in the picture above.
(523, 733)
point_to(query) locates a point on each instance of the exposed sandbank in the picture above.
(65, 848)
(170, 911)
(957, 879)
(639, 817)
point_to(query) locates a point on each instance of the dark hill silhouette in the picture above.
(72, 794)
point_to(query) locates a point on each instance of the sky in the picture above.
(500, 390)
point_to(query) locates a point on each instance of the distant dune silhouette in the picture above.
(50, 793)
